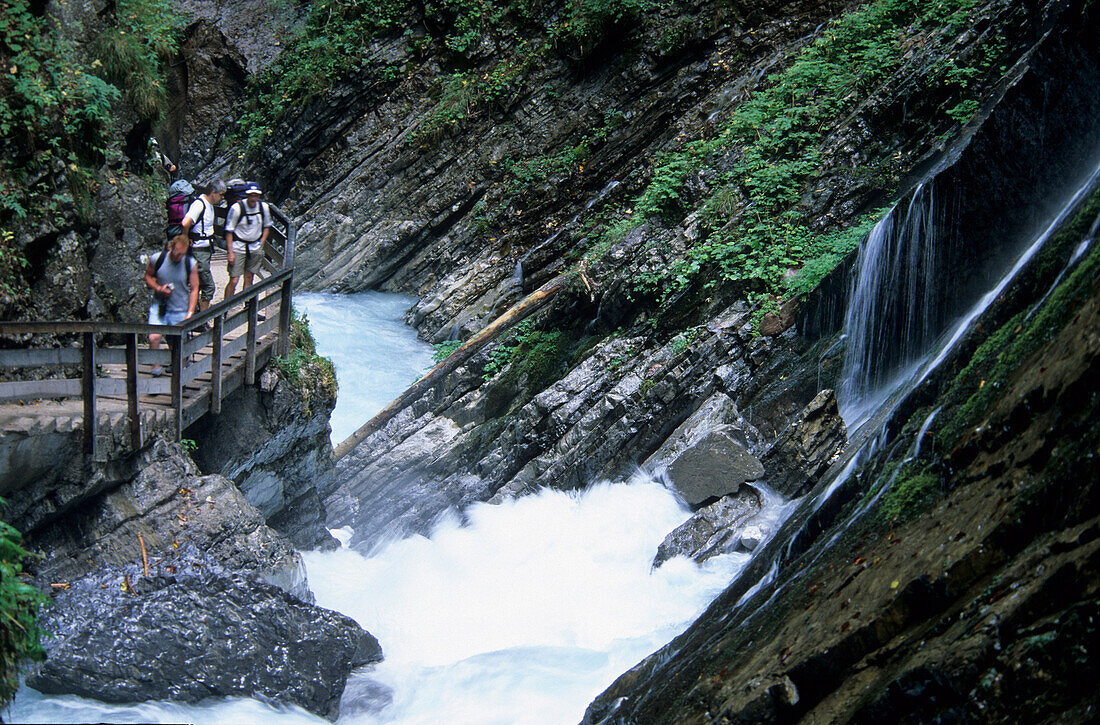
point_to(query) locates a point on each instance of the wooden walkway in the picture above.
(97, 377)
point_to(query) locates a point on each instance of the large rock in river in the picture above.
(199, 632)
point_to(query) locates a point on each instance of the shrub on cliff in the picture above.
(20, 637)
(311, 375)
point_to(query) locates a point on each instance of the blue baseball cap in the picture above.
(252, 188)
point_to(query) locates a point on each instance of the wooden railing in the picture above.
(114, 369)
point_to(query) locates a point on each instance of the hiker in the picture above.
(198, 224)
(247, 226)
(173, 276)
(159, 160)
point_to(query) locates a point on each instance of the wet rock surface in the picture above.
(714, 529)
(713, 468)
(192, 630)
(275, 446)
(168, 504)
(804, 450)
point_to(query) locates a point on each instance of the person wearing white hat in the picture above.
(247, 226)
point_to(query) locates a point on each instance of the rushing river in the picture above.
(523, 615)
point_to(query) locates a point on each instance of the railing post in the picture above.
(250, 343)
(132, 390)
(216, 367)
(177, 385)
(87, 390)
(283, 348)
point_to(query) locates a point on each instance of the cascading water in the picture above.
(891, 317)
(520, 614)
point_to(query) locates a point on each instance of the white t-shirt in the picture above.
(248, 226)
(201, 214)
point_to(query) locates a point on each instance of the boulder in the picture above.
(804, 449)
(712, 468)
(191, 631)
(168, 505)
(717, 413)
(713, 529)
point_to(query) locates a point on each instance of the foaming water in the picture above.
(376, 355)
(521, 616)
(528, 611)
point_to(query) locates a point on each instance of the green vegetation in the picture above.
(981, 382)
(311, 375)
(540, 355)
(912, 493)
(13, 285)
(134, 53)
(771, 148)
(443, 350)
(331, 44)
(53, 115)
(56, 113)
(20, 637)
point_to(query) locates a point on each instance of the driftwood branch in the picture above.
(521, 310)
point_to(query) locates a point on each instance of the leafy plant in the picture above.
(310, 374)
(133, 54)
(20, 636)
(443, 350)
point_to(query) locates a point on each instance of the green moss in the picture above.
(776, 138)
(911, 494)
(979, 384)
(312, 376)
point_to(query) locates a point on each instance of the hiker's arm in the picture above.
(151, 281)
(229, 246)
(193, 283)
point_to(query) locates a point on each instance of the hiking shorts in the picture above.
(206, 280)
(255, 260)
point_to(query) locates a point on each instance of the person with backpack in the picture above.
(198, 224)
(247, 226)
(173, 275)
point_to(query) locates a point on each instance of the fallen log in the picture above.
(518, 312)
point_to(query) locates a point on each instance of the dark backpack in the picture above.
(234, 191)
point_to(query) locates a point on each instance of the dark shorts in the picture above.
(206, 280)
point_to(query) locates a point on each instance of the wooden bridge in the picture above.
(98, 376)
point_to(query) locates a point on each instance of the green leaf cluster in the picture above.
(134, 53)
(769, 152)
(310, 374)
(53, 113)
(20, 636)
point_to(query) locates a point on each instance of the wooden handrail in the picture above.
(272, 290)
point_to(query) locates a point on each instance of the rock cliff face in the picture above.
(275, 447)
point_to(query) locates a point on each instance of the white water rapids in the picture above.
(521, 616)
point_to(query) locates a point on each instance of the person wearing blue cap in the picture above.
(247, 226)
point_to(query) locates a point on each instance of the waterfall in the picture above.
(892, 311)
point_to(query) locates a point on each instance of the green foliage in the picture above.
(189, 444)
(443, 350)
(911, 494)
(541, 355)
(770, 146)
(20, 637)
(53, 115)
(588, 21)
(527, 173)
(330, 44)
(825, 252)
(311, 375)
(13, 285)
(134, 53)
